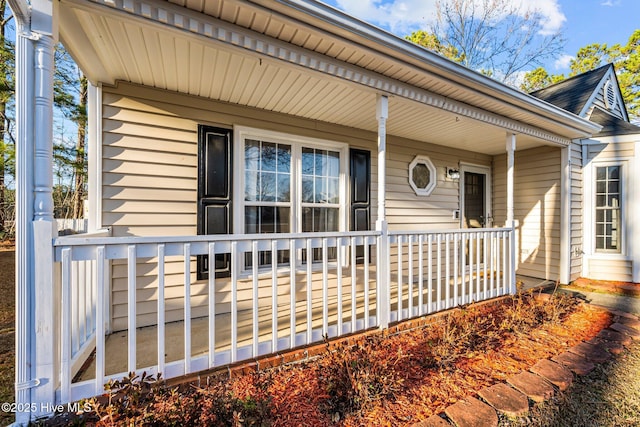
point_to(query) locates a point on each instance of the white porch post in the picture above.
(383, 274)
(511, 148)
(565, 215)
(35, 294)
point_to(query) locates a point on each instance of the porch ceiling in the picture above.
(199, 47)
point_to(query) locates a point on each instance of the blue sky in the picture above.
(582, 21)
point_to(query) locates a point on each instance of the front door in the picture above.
(475, 195)
(474, 200)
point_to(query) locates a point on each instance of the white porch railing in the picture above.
(437, 270)
(260, 309)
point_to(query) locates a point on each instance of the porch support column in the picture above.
(565, 215)
(511, 148)
(36, 301)
(383, 274)
(24, 207)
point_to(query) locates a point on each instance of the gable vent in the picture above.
(609, 95)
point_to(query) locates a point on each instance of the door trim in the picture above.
(486, 171)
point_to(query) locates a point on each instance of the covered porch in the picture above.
(298, 74)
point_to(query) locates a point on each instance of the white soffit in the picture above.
(180, 50)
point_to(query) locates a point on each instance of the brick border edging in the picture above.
(577, 359)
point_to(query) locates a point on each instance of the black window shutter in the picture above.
(360, 176)
(215, 188)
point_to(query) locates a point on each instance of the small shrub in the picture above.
(355, 377)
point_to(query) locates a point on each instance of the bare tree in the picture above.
(6, 93)
(496, 37)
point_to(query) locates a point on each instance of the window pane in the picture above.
(307, 161)
(613, 201)
(600, 215)
(268, 156)
(321, 190)
(267, 219)
(601, 201)
(332, 219)
(252, 154)
(268, 187)
(601, 187)
(321, 162)
(614, 172)
(284, 187)
(307, 219)
(333, 163)
(307, 189)
(333, 191)
(251, 219)
(614, 186)
(600, 243)
(251, 185)
(599, 229)
(601, 173)
(283, 220)
(284, 158)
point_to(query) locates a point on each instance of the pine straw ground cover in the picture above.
(382, 380)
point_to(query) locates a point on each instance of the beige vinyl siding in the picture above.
(605, 266)
(150, 183)
(536, 209)
(576, 206)
(614, 150)
(610, 269)
(408, 211)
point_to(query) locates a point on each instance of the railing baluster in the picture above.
(447, 266)
(492, 267)
(187, 308)
(131, 308)
(75, 308)
(486, 259)
(464, 290)
(456, 268)
(339, 283)
(366, 283)
(81, 274)
(212, 304)
(100, 319)
(478, 262)
(410, 276)
(292, 293)
(274, 296)
(439, 271)
(65, 306)
(430, 273)
(472, 296)
(234, 301)
(309, 292)
(353, 284)
(400, 268)
(420, 274)
(254, 297)
(161, 303)
(325, 288)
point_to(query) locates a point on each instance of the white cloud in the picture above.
(563, 62)
(403, 16)
(611, 3)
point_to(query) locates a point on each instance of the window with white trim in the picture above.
(608, 224)
(291, 184)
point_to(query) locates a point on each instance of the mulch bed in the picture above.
(382, 380)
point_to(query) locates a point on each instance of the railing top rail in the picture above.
(84, 240)
(446, 231)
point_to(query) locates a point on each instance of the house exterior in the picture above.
(604, 178)
(263, 174)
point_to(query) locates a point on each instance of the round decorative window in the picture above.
(422, 175)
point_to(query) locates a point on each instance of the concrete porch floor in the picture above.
(147, 337)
